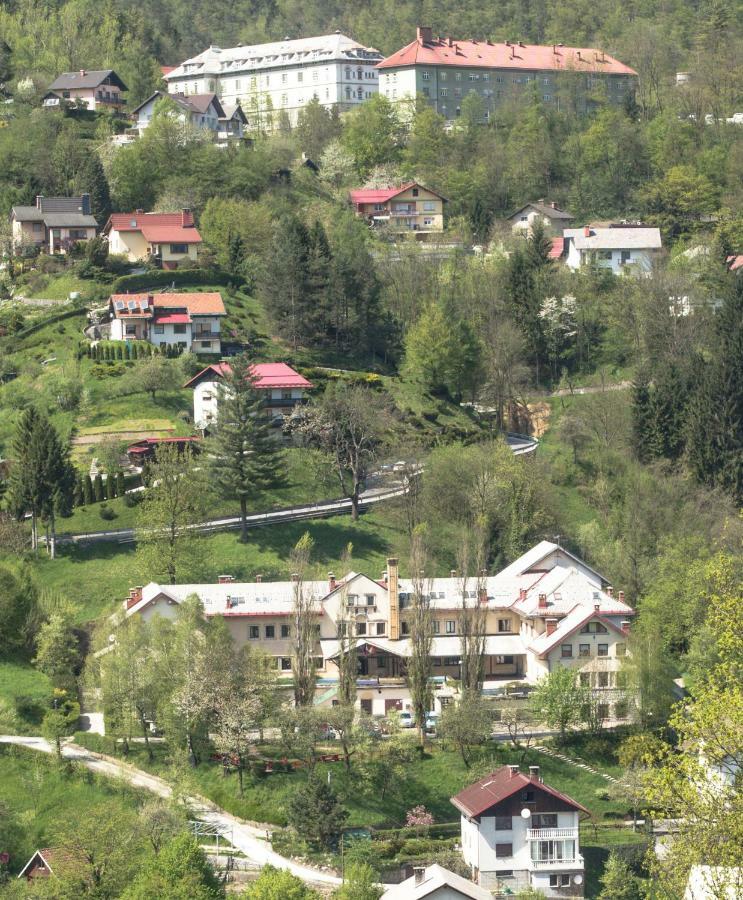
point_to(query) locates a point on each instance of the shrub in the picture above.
(602, 794)
(106, 512)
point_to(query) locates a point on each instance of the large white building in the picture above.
(282, 76)
(545, 610)
(621, 248)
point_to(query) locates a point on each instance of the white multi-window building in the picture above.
(545, 610)
(266, 79)
(187, 321)
(518, 832)
(631, 248)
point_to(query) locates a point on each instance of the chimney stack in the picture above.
(553, 205)
(424, 34)
(551, 625)
(83, 73)
(534, 773)
(597, 606)
(587, 231)
(187, 218)
(295, 578)
(543, 601)
(420, 874)
(522, 593)
(332, 583)
(621, 596)
(85, 204)
(258, 579)
(448, 42)
(453, 573)
(384, 577)
(482, 595)
(394, 596)
(514, 770)
(610, 590)
(225, 579)
(39, 201)
(626, 626)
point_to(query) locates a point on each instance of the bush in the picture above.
(29, 708)
(106, 512)
(179, 277)
(602, 794)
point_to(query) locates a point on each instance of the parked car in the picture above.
(326, 732)
(432, 722)
(407, 720)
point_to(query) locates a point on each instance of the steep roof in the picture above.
(513, 55)
(545, 209)
(434, 878)
(476, 799)
(614, 238)
(382, 195)
(569, 625)
(86, 79)
(157, 228)
(267, 375)
(557, 247)
(57, 860)
(207, 303)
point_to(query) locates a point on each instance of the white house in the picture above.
(284, 389)
(282, 75)
(188, 321)
(550, 215)
(621, 248)
(518, 832)
(546, 585)
(203, 111)
(436, 883)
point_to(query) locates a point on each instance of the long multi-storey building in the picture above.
(546, 609)
(443, 71)
(267, 79)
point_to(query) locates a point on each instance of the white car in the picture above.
(407, 720)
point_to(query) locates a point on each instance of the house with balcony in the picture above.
(547, 588)
(407, 208)
(167, 239)
(95, 89)
(283, 387)
(53, 224)
(189, 321)
(619, 248)
(203, 111)
(552, 218)
(518, 832)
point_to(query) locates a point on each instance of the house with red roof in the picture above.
(187, 321)
(442, 71)
(284, 389)
(165, 238)
(518, 832)
(408, 207)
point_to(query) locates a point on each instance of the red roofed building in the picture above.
(166, 238)
(518, 832)
(284, 387)
(443, 71)
(408, 207)
(189, 321)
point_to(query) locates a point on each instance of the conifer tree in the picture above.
(110, 487)
(87, 490)
(246, 458)
(98, 488)
(120, 484)
(667, 412)
(92, 180)
(642, 418)
(285, 287)
(77, 496)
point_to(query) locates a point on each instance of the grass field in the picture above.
(19, 679)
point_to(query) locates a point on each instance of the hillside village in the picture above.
(371, 417)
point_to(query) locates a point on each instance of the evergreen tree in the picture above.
(668, 411)
(642, 418)
(98, 488)
(617, 881)
(92, 180)
(319, 281)
(316, 813)
(87, 490)
(285, 288)
(246, 458)
(235, 255)
(120, 484)
(110, 487)
(77, 496)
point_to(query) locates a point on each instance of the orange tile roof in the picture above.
(207, 303)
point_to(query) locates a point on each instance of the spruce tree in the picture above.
(246, 457)
(92, 180)
(285, 285)
(87, 490)
(98, 489)
(643, 433)
(668, 412)
(316, 322)
(120, 484)
(110, 487)
(77, 496)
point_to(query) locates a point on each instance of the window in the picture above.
(451, 626)
(38, 226)
(443, 76)
(620, 709)
(457, 76)
(544, 820)
(270, 632)
(285, 631)
(473, 77)
(594, 628)
(584, 649)
(160, 329)
(348, 72)
(560, 880)
(546, 98)
(428, 221)
(254, 632)
(426, 76)
(486, 76)
(603, 650)
(205, 344)
(179, 329)
(436, 626)
(457, 92)
(604, 254)
(444, 92)
(602, 710)
(348, 92)
(286, 664)
(370, 600)
(361, 628)
(179, 248)
(415, 192)
(237, 84)
(503, 823)
(300, 77)
(314, 74)
(527, 797)
(381, 662)
(284, 100)
(284, 77)
(380, 627)
(429, 206)
(626, 256)
(620, 649)
(603, 679)
(504, 626)
(504, 660)
(425, 91)
(584, 679)
(131, 330)
(405, 628)
(503, 851)
(566, 651)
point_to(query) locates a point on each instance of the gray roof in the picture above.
(552, 212)
(69, 220)
(194, 103)
(85, 79)
(58, 212)
(627, 238)
(27, 214)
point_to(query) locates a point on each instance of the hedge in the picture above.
(37, 326)
(161, 278)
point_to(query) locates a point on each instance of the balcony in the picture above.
(206, 336)
(552, 834)
(556, 865)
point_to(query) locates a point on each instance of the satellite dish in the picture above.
(577, 879)
(525, 813)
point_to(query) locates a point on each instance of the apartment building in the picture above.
(282, 76)
(284, 388)
(443, 71)
(518, 833)
(409, 207)
(189, 321)
(540, 605)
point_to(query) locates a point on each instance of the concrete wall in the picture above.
(129, 243)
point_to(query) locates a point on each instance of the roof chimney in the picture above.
(187, 218)
(514, 770)
(621, 597)
(553, 205)
(551, 625)
(85, 204)
(332, 583)
(225, 579)
(453, 573)
(39, 201)
(610, 590)
(448, 42)
(482, 595)
(295, 577)
(258, 579)
(626, 626)
(384, 577)
(534, 773)
(597, 607)
(139, 212)
(522, 593)
(135, 595)
(420, 874)
(424, 34)
(587, 231)
(83, 73)
(543, 601)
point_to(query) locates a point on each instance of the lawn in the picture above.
(45, 800)
(18, 678)
(61, 286)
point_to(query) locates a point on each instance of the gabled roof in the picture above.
(233, 111)
(267, 375)
(486, 55)
(157, 228)
(58, 212)
(382, 195)
(557, 248)
(614, 238)
(481, 796)
(435, 878)
(56, 859)
(569, 625)
(208, 303)
(86, 79)
(545, 209)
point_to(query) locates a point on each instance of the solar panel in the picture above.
(132, 304)
(119, 304)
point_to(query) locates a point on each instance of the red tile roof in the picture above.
(558, 245)
(483, 54)
(735, 263)
(267, 375)
(157, 228)
(173, 319)
(382, 195)
(500, 785)
(198, 303)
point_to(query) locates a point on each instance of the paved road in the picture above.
(250, 839)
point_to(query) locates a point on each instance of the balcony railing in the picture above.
(206, 336)
(552, 834)
(558, 864)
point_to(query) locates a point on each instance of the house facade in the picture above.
(97, 89)
(284, 389)
(203, 111)
(436, 883)
(53, 224)
(552, 218)
(410, 207)
(518, 832)
(522, 603)
(168, 239)
(184, 321)
(442, 71)
(620, 248)
(282, 76)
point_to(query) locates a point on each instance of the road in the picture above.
(250, 839)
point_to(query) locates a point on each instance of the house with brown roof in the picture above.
(54, 862)
(53, 224)
(442, 71)
(187, 321)
(168, 239)
(408, 207)
(95, 89)
(519, 832)
(203, 111)
(550, 215)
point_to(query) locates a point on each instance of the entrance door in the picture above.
(363, 666)
(366, 707)
(389, 705)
